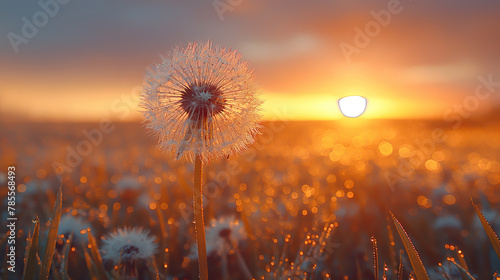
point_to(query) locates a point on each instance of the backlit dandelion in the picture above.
(203, 101)
(128, 245)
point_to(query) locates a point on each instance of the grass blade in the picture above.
(489, 230)
(56, 275)
(51, 237)
(96, 257)
(416, 262)
(464, 268)
(64, 257)
(375, 258)
(90, 265)
(163, 241)
(400, 267)
(461, 260)
(463, 271)
(392, 245)
(31, 262)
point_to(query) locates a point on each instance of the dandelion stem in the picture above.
(243, 265)
(225, 272)
(198, 217)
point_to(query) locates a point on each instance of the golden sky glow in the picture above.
(80, 70)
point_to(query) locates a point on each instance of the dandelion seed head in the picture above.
(219, 233)
(447, 222)
(128, 183)
(129, 189)
(129, 244)
(73, 224)
(201, 101)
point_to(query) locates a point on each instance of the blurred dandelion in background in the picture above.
(224, 234)
(128, 245)
(73, 224)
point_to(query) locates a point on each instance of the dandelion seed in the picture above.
(201, 101)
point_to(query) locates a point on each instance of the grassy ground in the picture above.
(306, 201)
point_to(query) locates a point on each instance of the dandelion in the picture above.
(37, 187)
(447, 222)
(223, 237)
(201, 102)
(73, 224)
(129, 189)
(128, 183)
(221, 231)
(128, 245)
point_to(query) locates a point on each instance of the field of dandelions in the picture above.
(308, 200)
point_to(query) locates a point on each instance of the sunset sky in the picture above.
(88, 60)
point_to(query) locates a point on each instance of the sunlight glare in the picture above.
(352, 106)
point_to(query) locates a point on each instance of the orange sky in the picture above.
(90, 56)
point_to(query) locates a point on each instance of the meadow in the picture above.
(309, 200)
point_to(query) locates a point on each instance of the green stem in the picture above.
(198, 217)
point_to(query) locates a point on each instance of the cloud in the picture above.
(297, 45)
(440, 73)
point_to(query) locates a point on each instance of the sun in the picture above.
(352, 106)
